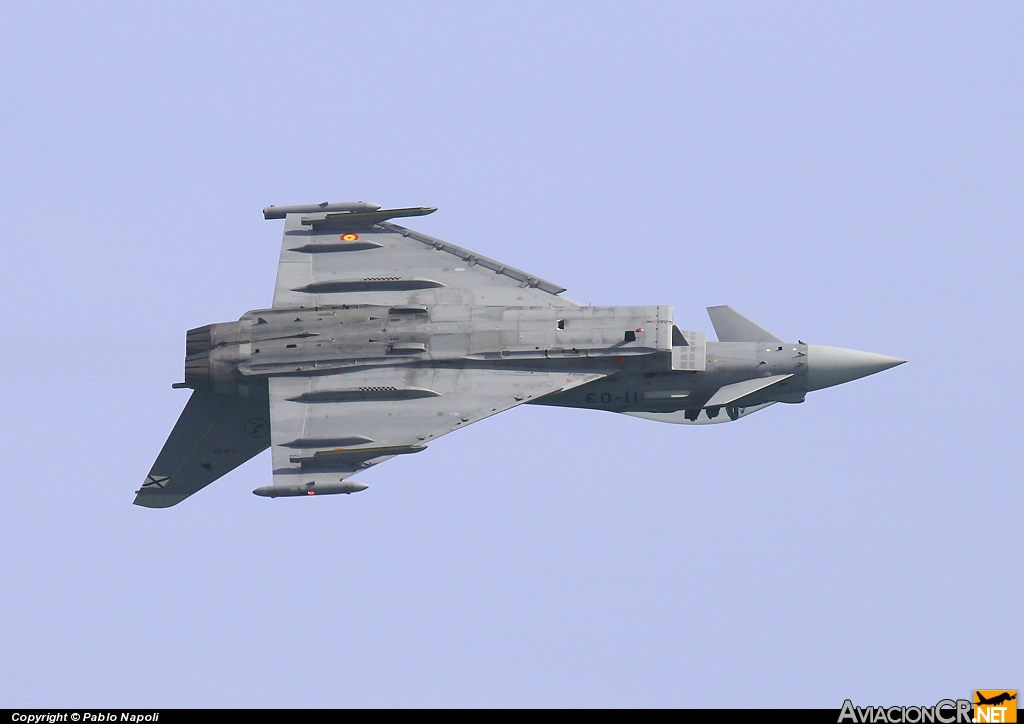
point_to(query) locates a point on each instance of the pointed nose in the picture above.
(828, 366)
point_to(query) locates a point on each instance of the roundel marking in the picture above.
(254, 426)
(349, 237)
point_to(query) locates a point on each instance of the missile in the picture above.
(287, 491)
(280, 212)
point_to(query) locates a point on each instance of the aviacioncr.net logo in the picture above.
(995, 705)
(946, 711)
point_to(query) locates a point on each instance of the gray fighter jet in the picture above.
(381, 339)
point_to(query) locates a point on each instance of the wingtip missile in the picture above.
(280, 212)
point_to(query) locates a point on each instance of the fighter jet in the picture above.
(381, 339)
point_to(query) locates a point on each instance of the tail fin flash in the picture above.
(731, 326)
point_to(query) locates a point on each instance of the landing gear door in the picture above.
(689, 350)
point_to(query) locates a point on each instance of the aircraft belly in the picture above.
(381, 339)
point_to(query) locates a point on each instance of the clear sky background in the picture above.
(847, 174)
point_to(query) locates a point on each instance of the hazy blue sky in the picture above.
(847, 173)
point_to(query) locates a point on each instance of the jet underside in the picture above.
(381, 339)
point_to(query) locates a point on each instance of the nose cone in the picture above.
(829, 366)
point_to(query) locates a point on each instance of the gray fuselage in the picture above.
(667, 391)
